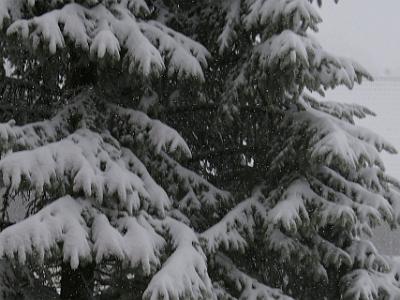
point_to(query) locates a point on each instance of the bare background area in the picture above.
(367, 30)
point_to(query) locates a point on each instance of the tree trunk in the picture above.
(77, 284)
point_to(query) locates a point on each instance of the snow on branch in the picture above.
(337, 211)
(283, 50)
(157, 195)
(184, 55)
(331, 255)
(161, 136)
(249, 288)
(290, 211)
(229, 232)
(333, 139)
(32, 135)
(330, 72)
(94, 167)
(95, 163)
(291, 247)
(347, 210)
(64, 225)
(376, 180)
(236, 226)
(342, 111)
(120, 241)
(299, 14)
(232, 19)
(372, 206)
(286, 246)
(60, 221)
(108, 29)
(362, 284)
(394, 197)
(184, 275)
(366, 256)
(199, 193)
(220, 292)
(370, 137)
(291, 50)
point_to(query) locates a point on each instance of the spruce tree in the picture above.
(83, 174)
(184, 156)
(319, 185)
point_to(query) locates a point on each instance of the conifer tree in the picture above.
(269, 194)
(320, 184)
(82, 174)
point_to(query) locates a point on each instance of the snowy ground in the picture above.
(383, 97)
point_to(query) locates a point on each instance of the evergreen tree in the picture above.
(82, 174)
(120, 206)
(321, 184)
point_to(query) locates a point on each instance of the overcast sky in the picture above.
(367, 30)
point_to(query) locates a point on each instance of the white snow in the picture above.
(184, 274)
(363, 284)
(301, 12)
(250, 289)
(109, 28)
(80, 157)
(121, 211)
(290, 210)
(60, 221)
(228, 233)
(161, 136)
(232, 19)
(63, 223)
(141, 244)
(381, 96)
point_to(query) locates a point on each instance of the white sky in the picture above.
(366, 30)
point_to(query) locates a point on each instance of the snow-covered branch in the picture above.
(108, 29)
(250, 288)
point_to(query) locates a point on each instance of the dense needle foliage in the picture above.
(176, 150)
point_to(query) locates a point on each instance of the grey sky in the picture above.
(367, 30)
